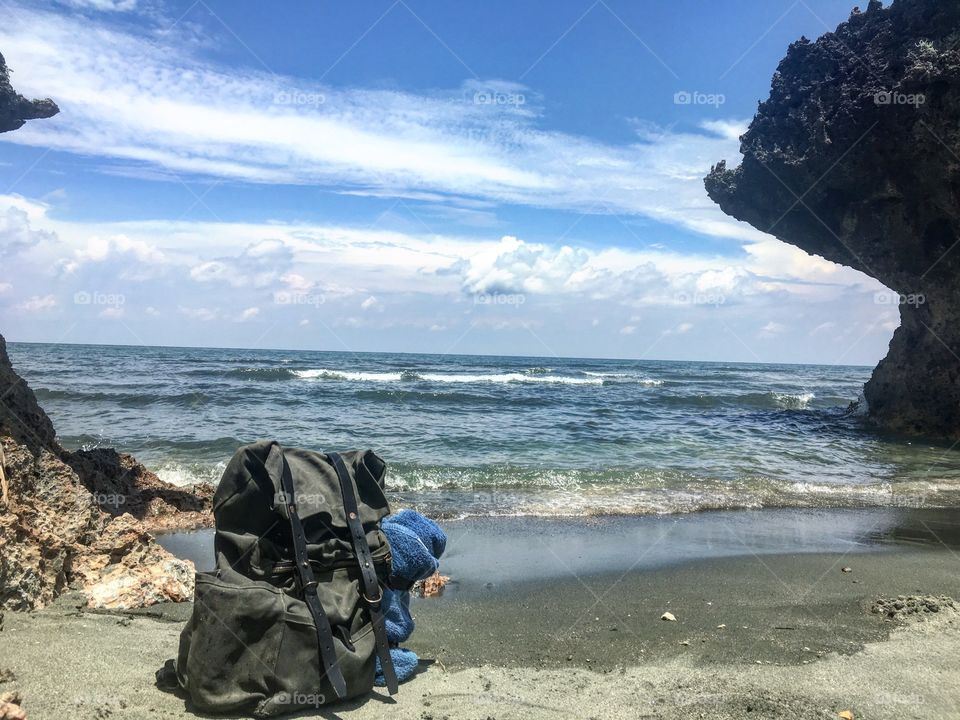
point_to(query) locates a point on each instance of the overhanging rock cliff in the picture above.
(15, 109)
(855, 156)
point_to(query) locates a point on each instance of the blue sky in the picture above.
(492, 177)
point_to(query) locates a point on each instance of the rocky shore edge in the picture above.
(83, 520)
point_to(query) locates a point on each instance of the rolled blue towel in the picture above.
(404, 663)
(412, 558)
(416, 544)
(396, 615)
(424, 528)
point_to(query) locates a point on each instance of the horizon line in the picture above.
(434, 354)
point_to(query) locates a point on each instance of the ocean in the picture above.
(499, 436)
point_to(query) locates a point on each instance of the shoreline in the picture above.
(515, 639)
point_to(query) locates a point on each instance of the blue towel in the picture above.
(416, 544)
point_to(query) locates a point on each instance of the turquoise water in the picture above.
(471, 435)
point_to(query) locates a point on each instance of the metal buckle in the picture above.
(372, 602)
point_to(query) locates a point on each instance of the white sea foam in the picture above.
(186, 474)
(475, 378)
(513, 377)
(799, 401)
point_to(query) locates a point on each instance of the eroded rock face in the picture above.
(855, 157)
(15, 109)
(82, 519)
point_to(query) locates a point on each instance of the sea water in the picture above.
(487, 435)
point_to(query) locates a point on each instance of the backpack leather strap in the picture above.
(371, 585)
(278, 468)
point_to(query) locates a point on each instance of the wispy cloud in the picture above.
(150, 106)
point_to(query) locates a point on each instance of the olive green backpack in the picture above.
(290, 618)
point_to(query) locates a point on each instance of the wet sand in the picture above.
(567, 624)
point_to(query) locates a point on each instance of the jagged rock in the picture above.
(121, 485)
(21, 418)
(127, 569)
(15, 109)
(10, 706)
(82, 519)
(855, 157)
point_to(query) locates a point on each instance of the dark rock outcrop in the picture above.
(15, 109)
(855, 157)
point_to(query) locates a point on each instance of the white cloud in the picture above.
(249, 314)
(112, 312)
(370, 303)
(37, 303)
(160, 107)
(17, 233)
(772, 329)
(628, 329)
(727, 129)
(200, 313)
(259, 264)
(5, 287)
(103, 5)
(680, 329)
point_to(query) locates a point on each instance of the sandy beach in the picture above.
(758, 633)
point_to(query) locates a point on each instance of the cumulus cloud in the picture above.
(17, 234)
(128, 258)
(258, 265)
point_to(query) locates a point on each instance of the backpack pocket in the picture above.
(251, 646)
(228, 650)
(302, 682)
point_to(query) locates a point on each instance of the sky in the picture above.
(410, 176)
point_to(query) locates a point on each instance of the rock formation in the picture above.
(855, 157)
(82, 519)
(15, 109)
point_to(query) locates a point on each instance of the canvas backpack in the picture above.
(291, 617)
